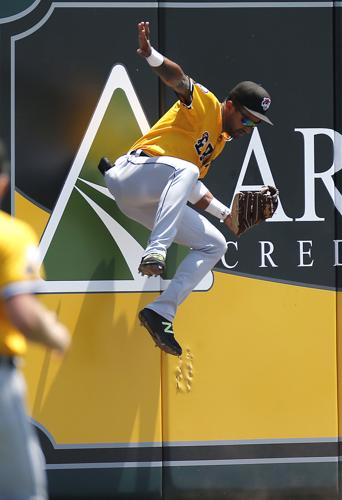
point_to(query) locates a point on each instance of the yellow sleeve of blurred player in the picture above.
(19, 274)
(19, 257)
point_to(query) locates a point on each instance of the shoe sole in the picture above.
(161, 346)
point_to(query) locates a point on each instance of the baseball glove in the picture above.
(252, 207)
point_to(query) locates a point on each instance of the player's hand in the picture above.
(229, 223)
(60, 336)
(144, 49)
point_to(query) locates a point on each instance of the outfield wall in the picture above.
(251, 410)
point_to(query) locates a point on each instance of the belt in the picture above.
(139, 152)
(105, 164)
(7, 361)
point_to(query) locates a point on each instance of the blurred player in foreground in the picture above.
(22, 465)
(160, 174)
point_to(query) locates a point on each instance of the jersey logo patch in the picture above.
(203, 147)
(266, 103)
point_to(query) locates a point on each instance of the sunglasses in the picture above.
(246, 122)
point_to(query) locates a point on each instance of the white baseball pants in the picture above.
(154, 191)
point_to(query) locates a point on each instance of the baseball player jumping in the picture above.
(153, 182)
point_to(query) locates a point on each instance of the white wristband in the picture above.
(155, 59)
(217, 209)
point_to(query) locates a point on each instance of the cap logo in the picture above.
(266, 103)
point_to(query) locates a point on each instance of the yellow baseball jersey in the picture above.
(190, 132)
(19, 273)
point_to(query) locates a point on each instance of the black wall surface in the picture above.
(51, 81)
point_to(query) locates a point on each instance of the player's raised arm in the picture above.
(168, 71)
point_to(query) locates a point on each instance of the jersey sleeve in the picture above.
(20, 262)
(203, 95)
(203, 103)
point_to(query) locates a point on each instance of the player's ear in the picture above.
(228, 104)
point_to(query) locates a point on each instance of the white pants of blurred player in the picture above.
(22, 464)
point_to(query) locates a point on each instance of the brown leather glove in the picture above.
(249, 208)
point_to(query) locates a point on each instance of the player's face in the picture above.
(237, 121)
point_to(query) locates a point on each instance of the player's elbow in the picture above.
(20, 310)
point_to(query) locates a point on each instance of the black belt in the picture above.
(7, 361)
(139, 152)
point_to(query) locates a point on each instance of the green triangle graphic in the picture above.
(101, 257)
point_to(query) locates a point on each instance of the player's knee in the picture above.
(191, 171)
(221, 245)
(194, 170)
(217, 245)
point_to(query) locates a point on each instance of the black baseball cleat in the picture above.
(152, 265)
(161, 331)
(104, 165)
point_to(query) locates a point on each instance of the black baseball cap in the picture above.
(253, 98)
